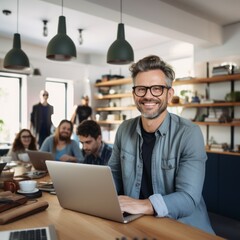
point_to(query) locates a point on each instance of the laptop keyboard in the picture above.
(33, 234)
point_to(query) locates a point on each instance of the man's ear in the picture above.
(170, 95)
(99, 138)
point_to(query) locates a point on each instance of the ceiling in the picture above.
(148, 23)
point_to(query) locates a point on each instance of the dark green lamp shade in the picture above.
(120, 52)
(61, 47)
(16, 57)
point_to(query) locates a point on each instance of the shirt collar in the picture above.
(163, 128)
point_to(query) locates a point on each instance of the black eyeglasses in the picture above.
(26, 136)
(45, 94)
(156, 90)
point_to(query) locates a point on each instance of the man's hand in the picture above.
(135, 206)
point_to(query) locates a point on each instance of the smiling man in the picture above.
(95, 151)
(158, 158)
(61, 145)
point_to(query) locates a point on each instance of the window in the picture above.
(60, 97)
(10, 102)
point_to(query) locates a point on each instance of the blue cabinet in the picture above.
(221, 189)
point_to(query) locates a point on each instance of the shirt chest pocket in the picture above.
(128, 161)
(168, 164)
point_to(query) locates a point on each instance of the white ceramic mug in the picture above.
(28, 185)
(23, 157)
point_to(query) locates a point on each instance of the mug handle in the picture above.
(13, 187)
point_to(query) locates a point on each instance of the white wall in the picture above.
(93, 67)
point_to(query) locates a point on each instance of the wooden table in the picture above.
(72, 225)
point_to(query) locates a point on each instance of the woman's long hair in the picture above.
(57, 133)
(17, 144)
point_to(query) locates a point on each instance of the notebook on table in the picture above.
(41, 233)
(38, 158)
(88, 189)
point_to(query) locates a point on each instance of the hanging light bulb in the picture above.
(120, 52)
(80, 38)
(61, 47)
(45, 29)
(16, 57)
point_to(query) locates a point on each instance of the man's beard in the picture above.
(63, 137)
(156, 113)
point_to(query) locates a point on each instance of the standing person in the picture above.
(158, 158)
(82, 111)
(41, 118)
(95, 151)
(23, 141)
(61, 145)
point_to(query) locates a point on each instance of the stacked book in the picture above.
(222, 70)
(219, 147)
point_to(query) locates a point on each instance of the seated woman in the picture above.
(24, 141)
(61, 144)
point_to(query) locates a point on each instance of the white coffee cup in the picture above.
(28, 185)
(23, 157)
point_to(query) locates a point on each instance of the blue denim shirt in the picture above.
(102, 159)
(178, 168)
(71, 149)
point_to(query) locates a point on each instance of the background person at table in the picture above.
(158, 159)
(95, 151)
(41, 118)
(61, 144)
(23, 141)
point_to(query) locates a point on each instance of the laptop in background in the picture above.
(87, 189)
(38, 158)
(45, 233)
(2, 166)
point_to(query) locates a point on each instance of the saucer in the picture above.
(23, 192)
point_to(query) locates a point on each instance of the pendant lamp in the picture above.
(36, 72)
(61, 47)
(120, 52)
(16, 57)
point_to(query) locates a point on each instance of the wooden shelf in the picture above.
(225, 153)
(116, 108)
(103, 122)
(116, 82)
(112, 96)
(223, 78)
(230, 124)
(200, 105)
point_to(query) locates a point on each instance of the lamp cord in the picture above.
(121, 10)
(17, 13)
(62, 7)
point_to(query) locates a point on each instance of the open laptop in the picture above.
(87, 189)
(2, 166)
(40, 233)
(38, 158)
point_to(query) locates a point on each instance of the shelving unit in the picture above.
(208, 81)
(114, 83)
(225, 78)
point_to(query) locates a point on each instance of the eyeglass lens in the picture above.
(26, 136)
(156, 90)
